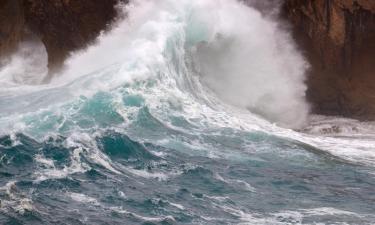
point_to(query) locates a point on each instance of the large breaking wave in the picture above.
(243, 57)
(174, 95)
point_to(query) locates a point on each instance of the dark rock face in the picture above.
(67, 25)
(11, 24)
(338, 38)
(62, 25)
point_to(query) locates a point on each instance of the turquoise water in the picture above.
(145, 127)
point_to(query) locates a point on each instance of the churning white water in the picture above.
(28, 66)
(219, 62)
(245, 58)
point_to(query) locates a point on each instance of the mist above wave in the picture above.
(250, 62)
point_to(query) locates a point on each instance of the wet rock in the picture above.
(338, 38)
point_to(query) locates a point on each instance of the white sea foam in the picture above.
(49, 163)
(179, 206)
(149, 175)
(87, 142)
(27, 66)
(215, 63)
(79, 197)
(15, 200)
(51, 172)
(286, 217)
(328, 211)
(170, 219)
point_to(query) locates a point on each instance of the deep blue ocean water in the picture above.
(165, 185)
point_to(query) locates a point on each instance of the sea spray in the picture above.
(244, 57)
(250, 62)
(27, 66)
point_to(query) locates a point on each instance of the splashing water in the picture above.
(28, 66)
(176, 116)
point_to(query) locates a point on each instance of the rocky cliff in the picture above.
(11, 24)
(338, 38)
(62, 25)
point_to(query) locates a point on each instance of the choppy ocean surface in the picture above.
(187, 112)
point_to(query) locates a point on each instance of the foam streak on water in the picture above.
(180, 115)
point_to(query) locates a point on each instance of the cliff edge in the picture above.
(338, 39)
